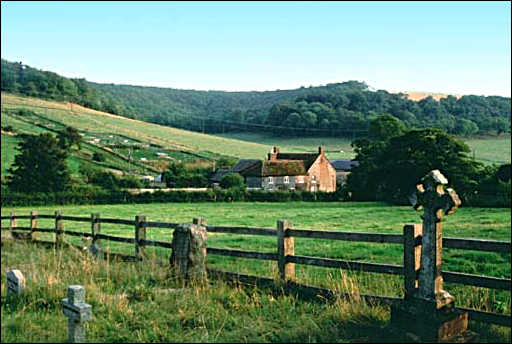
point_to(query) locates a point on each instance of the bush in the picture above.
(129, 182)
(90, 194)
(232, 180)
(97, 156)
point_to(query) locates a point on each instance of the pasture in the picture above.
(487, 149)
(89, 120)
(490, 149)
(335, 148)
(342, 216)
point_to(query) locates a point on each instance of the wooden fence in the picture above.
(285, 256)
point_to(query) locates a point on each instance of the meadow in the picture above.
(481, 223)
(486, 149)
(101, 122)
(490, 149)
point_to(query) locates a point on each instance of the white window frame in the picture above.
(286, 180)
(270, 180)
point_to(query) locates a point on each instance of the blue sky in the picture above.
(450, 47)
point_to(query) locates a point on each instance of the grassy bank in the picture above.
(144, 302)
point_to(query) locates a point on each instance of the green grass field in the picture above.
(96, 121)
(336, 148)
(145, 302)
(9, 144)
(488, 150)
(128, 307)
(364, 217)
(491, 149)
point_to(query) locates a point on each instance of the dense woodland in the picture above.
(341, 109)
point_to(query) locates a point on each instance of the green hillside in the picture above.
(143, 140)
(334, 110)
(113, 136)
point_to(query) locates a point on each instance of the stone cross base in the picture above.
(189, 252)
(417, 324)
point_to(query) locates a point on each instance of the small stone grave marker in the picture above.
(77, 311)
(15, 282)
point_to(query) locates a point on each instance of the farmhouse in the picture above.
(289, 171)
(343, 168)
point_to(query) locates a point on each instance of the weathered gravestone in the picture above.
(77, 311)
(429, 314)
(189, 251)
(15, 283)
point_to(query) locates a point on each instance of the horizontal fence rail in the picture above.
(285, 256)
(161, 224)
(347, 236)
(75, 218)
(242, 230)
(242, 254)
(476, 280)
(477, 245)
(347, 265)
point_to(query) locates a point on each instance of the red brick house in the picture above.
(289, 171)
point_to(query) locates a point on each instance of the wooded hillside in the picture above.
(340, 109)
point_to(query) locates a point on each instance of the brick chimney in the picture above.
(272, 156)
(321, 150)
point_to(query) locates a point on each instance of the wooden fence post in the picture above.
(59, 229)
(33, 224)
(200, 221)
(95, 230)
(12, 223)
(140, 234)
(412, 257)
(285, 247)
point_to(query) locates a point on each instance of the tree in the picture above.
(40, 165)
(172, 176)
(69, 137)
(97, 156)
(385, 127)
(465, 127)
(232, 180)
(503, 173)
(390, 170)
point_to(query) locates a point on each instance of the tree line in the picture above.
(339, 109)
(392, 159)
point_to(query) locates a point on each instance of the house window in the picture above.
(270, 180)
(286, 179)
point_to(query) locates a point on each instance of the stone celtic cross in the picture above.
(435, 201)
(77, 311)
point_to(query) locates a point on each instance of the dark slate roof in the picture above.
(277, 168)
(343, 164)
(308, 158)
(218, 175)
(243, 164)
